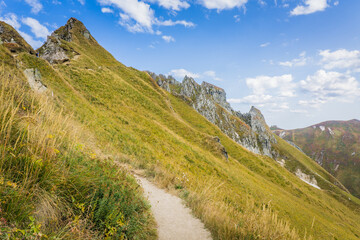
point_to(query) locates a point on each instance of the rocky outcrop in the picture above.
(249, 130)
(52, 51)
(34, 79)
(56, 50)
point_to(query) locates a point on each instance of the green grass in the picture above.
(52, 183)
(249, 196)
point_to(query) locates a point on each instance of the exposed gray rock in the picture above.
(249, 130)
(1, 42)
(12, 40)
(86, 34)
(294, 145)
(52, 51)
(34, 78)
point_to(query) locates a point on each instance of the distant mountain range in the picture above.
(335, 145)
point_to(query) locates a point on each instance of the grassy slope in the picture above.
(52, 185)
(337, 149)
(141, 124)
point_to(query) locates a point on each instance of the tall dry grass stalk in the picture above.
(245, 220)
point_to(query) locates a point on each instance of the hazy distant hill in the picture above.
(335, 145)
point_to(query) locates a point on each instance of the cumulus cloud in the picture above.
(340, 59)
(283, 85)
(222, 4)
(29, 39)
(181, 73)
(301, 61)
(269, 91)
(12, 20)
(265, 44)
(212, 74)
(106, 10)
(175, 5)
(82, 2)
(39, 30)
(137, 16)
(254, 99)
(325, 86)
(168, 38)
(35, 5)
(310, 6)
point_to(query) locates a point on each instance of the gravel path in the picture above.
(175, 221)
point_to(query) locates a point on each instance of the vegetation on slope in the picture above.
(52, 184)
(134, 121)
(335, 145)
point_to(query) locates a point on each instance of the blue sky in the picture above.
(298, 61)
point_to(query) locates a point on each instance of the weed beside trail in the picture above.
(52, 186)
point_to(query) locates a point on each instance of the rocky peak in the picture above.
(249, 129)
(56, 49)
(12, 40)
(71, 28)
(217, 94)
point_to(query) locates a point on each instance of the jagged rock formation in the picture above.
(249, 130)
(55, 50)
(52, 51)
(12, 40)
(34, 78)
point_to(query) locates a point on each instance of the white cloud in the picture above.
(30, 40)
(301, 61)
(254, 99)
(12, 20)
(175, 5)
(173, 23)
(340, 59)
(310, 6)
(269, 91)
(181, 73)
(82, 2)
(336, 3)
(283, 85)
(35, 5)
(135, 10)
(106, 10)
(325, 86)
(265, 44)
(237, 18)
(212, 74)
(137, 16)
(39, 30)
(168, 38)
(222, 4)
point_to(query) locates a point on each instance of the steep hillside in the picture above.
(335, 145)
(238, 195)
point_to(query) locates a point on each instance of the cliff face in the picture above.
(249, 130)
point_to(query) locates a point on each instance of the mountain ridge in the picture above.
(135, 121)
